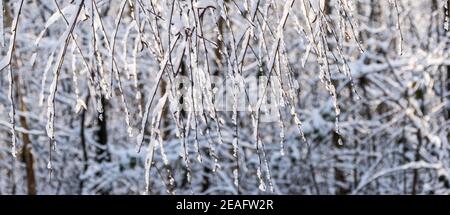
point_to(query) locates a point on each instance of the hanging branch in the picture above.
(53, 86)
(6, 62)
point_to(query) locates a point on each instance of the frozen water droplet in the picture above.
(262, 187)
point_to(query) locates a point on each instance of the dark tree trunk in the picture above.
(102, 152)
(27, 155)
(83, 144)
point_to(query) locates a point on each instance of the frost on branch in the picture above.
(225, 97)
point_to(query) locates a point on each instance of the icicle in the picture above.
(197, 148)
(236, 177)
(298, 123)
(44, 79)
(269, 177)
(266, 165)
(161, 146)
(12, 112)
(51, 108)
(80, 105)
(235, 147)
(216, 165)
(148, 164)
(138, 95)
(171, 180)
(262, 185)
(99, 109)
(49, 165)
(125, 105)
(235, 116)
(125, 48)
(188, 175)
(400, 38)
(282, 138)
(337, 130)
(2, 30)
(163, 154)
(447, 16)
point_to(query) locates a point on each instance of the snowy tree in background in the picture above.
(224, 97)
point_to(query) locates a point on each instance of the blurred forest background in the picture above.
(91, 100)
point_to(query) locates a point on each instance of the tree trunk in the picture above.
(102, 153)
(27, 155)
(83, 144)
